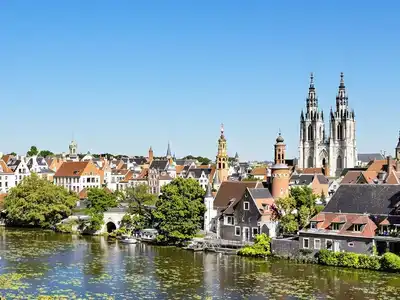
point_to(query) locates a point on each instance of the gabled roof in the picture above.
(351, 177)
(196, 172)
(159, 164)
(380, 165)
(376, 199)
(260, 193)
(232, 189)
(120, 172)
(4, 168)
(13, 164)
(73, 169)
(259, 171)
(367, 157)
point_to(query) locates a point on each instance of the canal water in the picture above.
(40, 263)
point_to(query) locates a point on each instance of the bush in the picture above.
(369, 262)
(64, 228)
(328, 258)
(261, 247)
(348, 259)
(390, 262)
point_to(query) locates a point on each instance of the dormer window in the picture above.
(246, 205)
(336, 226)
(313, 225)
(357, 227)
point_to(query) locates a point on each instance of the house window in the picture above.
(357, 227)
(229, 220)
(313, 225)
(335, 226)
(329, 245)
(317, 244)
(265, 207)
(384, 229)
(254, 231)
(237, 230)
(350, 244)
(306, 243)
(246, 205)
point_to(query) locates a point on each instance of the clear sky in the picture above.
(120, 76)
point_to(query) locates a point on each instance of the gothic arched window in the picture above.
(320, 132)
(339, 132)
(310, 162)
(310, 132)
(339, 162)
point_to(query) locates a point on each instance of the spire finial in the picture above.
(222, 128)
(169, 150)
(279, 132)
(341, 80)
(312, 80)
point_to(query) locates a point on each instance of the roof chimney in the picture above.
(389, 165)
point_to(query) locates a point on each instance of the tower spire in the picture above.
(341, 85)
(222, 129)
(312, 101)
(169, 150)
(341, 98)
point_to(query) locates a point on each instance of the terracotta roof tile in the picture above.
(4, 168)
(259, 171)
(179, 168)
(351, 177)
(232, 189)
(76, 169)
(380, 165)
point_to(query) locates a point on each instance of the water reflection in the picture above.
(45, 263)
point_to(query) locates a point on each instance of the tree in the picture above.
(179, 210)
(45, 153)
(202, 160)
(296, 210)
(37, 202)
(99, 200)
(13, 154)
(141, 203)
(33, 151)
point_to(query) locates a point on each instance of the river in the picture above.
(42, 263)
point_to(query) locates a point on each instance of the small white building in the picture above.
(7, 178)
(211, 213)
(19, 168)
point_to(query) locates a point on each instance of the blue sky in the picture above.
(123, 75)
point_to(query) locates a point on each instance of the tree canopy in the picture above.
(202, 160)
(296, 210)
(99, 200)
(45, 153)
(179, 210)
(32, 151)
(37, 202)
(141, 204)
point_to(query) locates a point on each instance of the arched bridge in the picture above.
(112, 219)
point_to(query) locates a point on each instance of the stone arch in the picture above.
(323, 157)
(111, 226)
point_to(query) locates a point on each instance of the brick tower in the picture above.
(280, 171)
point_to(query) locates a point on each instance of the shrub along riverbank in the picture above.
(388, 262)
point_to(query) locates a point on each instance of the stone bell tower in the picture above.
(222, 157)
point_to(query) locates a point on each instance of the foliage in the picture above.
(119, 232)
(301, 204)
(39, 203)
(45, 153)
(179, 210)
(99, 200)
(202, 160)
(390, 261)
(250, 178)
(323, 198)
(261, 247)
(33, 151)
(13, 153)
(65, 228)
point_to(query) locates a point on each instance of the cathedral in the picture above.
(335, 150)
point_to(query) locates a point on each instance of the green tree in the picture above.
(33, 151)
(296, 210)
(250, 178)
(37, 202)
(179, 210)
(141, 203)
(45, 153)
(99, 200)
(13, 153)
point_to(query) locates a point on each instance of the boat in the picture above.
(148, 235)
(128, 240)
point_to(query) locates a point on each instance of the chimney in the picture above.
(381, 175)
(389, 165)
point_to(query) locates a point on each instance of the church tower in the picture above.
(169, 156)
(222, 157)
(338, 150)
(73, 148)
(342, 142)
(312, 132)
(280, 171)
(151, 155)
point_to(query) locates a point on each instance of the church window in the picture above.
(339, 162)
(279, 156)
(310, 132)
(320, 132)
(223, 166)
(219, 165)
(310, 162)
(339, 132)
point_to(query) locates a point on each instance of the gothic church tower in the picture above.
(336, 152)
(222, 157)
